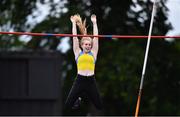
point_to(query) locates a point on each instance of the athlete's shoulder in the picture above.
(90, 53)
(81, 52)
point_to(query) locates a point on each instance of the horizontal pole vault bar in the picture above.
(100, 36)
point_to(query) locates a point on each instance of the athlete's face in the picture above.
(86, 46)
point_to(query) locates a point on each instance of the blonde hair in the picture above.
(81, 24)
(82, 28)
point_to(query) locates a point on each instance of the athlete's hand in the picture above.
(93, 18)
(72, 19)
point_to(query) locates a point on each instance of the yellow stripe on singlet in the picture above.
(86, 61)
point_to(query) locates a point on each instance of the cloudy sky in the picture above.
(174, 16)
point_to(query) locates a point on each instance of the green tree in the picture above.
(13, 18)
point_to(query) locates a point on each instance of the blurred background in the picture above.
(37, 72)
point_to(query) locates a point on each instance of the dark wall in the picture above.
(30, 83)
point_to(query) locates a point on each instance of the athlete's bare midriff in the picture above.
(86, 72)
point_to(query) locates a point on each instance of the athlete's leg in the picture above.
(94, 95)
(74, 93)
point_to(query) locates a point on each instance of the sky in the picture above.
(174, 16)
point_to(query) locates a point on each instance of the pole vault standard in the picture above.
(145, 59)
(100, 36)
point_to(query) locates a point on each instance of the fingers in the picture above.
(93, 18)
(72, 19)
